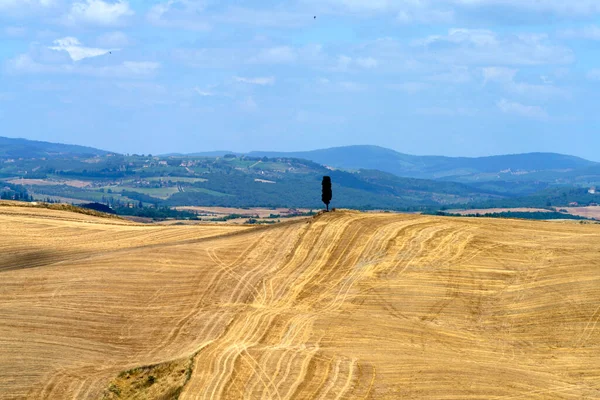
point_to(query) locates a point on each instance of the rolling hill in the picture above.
(344, 305)
(433, 167)
(222, 181)
(22, 148)
(72, 174)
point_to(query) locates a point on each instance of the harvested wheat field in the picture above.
(341, 306)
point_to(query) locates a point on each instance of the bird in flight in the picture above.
(315, 17)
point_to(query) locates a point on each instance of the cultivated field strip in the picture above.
(344, 305)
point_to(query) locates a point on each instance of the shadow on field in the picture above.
(31, 259)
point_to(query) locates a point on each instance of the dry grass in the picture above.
(55, 206)
(344, 305)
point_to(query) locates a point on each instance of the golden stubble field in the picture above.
(341, 306)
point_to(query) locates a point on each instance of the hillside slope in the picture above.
(345, 305)
(23, 148)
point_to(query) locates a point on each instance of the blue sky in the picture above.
(448, 77)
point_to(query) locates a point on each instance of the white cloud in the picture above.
(262, 81)
(446, 111)
(98, 12)
(455, 75)
(428, 11)
(409, 87)
(25, 64)
(352, 86)
(594, 75)
(522, 110)
(233, 57)
(345, 63)
(498, 74)
(420, 12)
(406, 11)
(248, 105)
(113, 40)
(15, 31)
(559, 7)
(203, 93)
(591, 32)
(210, 57)
(76, 51)
(506, 77)
(359, 5)
(10, 5)
(544, 91)
(476, 46)
(367, 62)
(271, 18)
(193, 15)
(477, 37)
(341, 86)
(275, 55)
(180, 14)
(140, 68)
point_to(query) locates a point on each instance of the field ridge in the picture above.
(343, 305)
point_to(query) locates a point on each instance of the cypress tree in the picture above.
(326, 193)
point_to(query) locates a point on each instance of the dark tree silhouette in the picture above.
(326, 194)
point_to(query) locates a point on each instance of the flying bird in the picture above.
(315, 17)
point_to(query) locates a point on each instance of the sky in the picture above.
(440, 77)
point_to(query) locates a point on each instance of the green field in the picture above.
(176, 179)
(207, 191)
(159, 193)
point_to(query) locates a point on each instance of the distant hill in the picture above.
(434, 167)
(23, 148)
(365, 177)
(231, 181)
(215, 153)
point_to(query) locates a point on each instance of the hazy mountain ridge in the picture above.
(24, 148)
(434, 167)
(356, 158)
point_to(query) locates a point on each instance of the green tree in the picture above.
(326, 194)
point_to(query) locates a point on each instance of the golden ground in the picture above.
(345, 305)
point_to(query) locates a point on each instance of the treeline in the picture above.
(296, 191)
(160, 213)
(535, 215)
(10, 191)
(554, 197)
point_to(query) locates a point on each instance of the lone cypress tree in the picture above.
(326, 194)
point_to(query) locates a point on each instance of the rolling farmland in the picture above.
(344, 305)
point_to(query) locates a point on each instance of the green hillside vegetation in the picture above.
(233, 181)
(79, 174)
(552, 197)
(23, 148)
